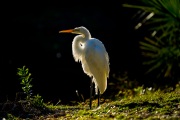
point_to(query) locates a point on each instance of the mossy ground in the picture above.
(145, 104)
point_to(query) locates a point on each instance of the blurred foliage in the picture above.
(163, 56)
(160, 48)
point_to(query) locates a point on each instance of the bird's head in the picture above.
(77, 30)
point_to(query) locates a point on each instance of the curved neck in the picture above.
(78, 46)
(86, 35)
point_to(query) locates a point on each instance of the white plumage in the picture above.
(92, 55)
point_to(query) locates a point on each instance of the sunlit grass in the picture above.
(134, 103)
(146, 104)
(151, 104)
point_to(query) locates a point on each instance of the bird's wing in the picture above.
(97, 61)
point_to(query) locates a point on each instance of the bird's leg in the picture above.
(91, 90)
(98, 97)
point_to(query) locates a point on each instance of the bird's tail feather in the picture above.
(100, 83)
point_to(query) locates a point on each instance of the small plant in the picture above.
(26, 79)
(37, 101)
(10, 117)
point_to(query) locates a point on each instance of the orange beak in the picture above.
(66, 31)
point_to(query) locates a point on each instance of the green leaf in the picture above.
(172, 6)
(168, 70)
(151, 47)
(157, 65)
(151, 55)
(150, 61)
(152, 42)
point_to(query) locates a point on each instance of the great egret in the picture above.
(93, 57)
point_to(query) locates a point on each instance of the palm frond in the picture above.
(152, 42)
(167, 12)
(150, 62)
(162, 20)
(149, 54)
(168, 70)
(148, 46)
(172, 6)
(157, 65)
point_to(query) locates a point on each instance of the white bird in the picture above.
(93, 57)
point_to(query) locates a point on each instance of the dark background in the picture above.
(29, 36)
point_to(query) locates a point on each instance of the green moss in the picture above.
(154, 104)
